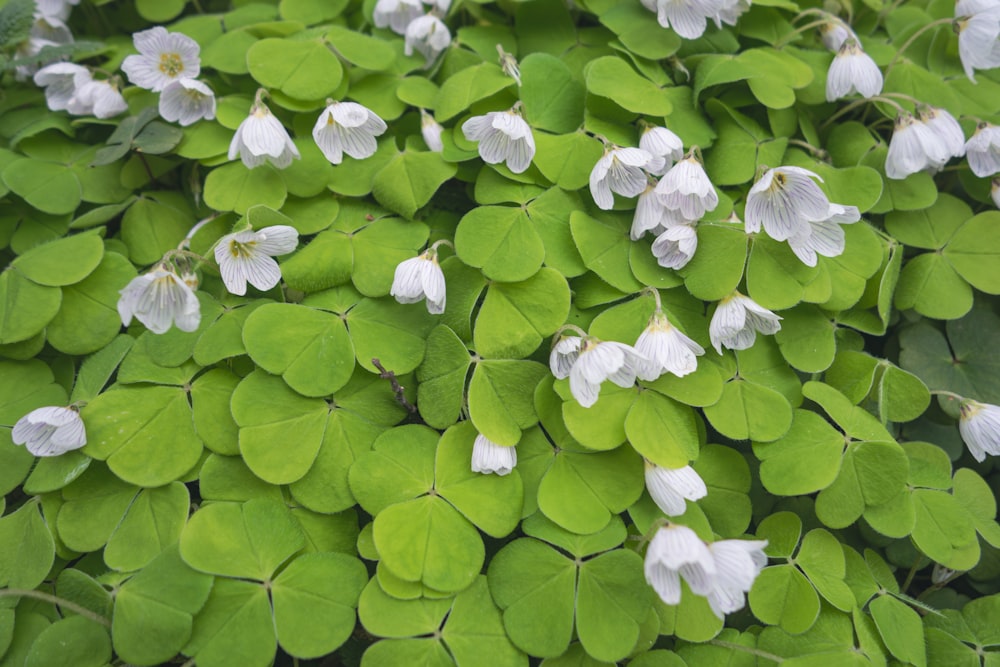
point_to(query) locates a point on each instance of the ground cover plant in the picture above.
(599, 332)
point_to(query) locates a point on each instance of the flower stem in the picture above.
(747, 649)
(656, 295)
(62, 602)
(949, 394)
(914, 37)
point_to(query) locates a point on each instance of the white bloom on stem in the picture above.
(736, 321)
(730, 11)
(431, 130)
(397, 14)
(852, 70)
(824, 237)
(979, 424)
(783, 202)
(508, 63)
(503, 136)
(427, 34)
(650, 213)
(970, 7)
(666, 349)
(60, 81)
(982, 150)
(563, 356)
(262, 138)
(834, 34)
(59, 9)
(50, 431)
(943, 125)
(598, 361)
(489, 457)
(737, 564)
(347, 127)
(922, 144)
(676, 551)
(979, 41)
(676, 245)
(688, 18)
(247, 257)
(665, 147)
(159, 299)
(669, 488)
(686, 189)
(420, 277)
(45, 31)
(619, 170)
(164, 57)
(186, 101)
(100, 98)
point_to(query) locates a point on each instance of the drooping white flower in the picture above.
(61, 81)
(686, 189)
(670, 487)
(730, 11)
(979, 41)
(666, 349)
(262, 138)
(688, 18)
(397, 14)
(824, 237)
(943, 125)
(503, 136)
(922, 144)
(508, 63)
(665, 147)
(970, 7)
(852, 70)
(50, 431)
(941, 574)
(650, 213)
(431, 130)
(995, 191)
(247, 257)
(186, 101)
(563, 356)
(620, 170)
(983, 150)
(783, 202)
(737, 564)
(45, 31)
(737, 320)
(598, 361)
(979, 424)
(489, 457)
(427, 34)
(164, 57)
(676, 245)
(834, 34)
(59, 9)
(160, 299)
(100, 98)
(420, 277)
(674, 552)
(347, 127)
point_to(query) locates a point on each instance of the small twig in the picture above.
(396, 388)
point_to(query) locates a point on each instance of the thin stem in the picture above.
(857, 103)
(914, 37)
(746, 649)
(568, 327)
(446, 242)
(818, 152)
(194, 230)
(798, 31)
(47, 597)
(909, 575)
(656, 295)
(949, 394)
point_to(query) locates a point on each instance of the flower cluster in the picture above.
(723, 571)
(588, 362)
(168, 64)
(923, 143)
(425, 33)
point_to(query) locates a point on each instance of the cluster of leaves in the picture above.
(258, 484)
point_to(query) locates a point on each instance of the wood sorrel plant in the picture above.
(497, 334)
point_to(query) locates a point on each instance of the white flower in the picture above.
(834, 34)
(598, 361)
(397, 14)
(852, 70)
(676, 245)
(686, 188)
(427, 34)
(100, 98)
(670, 487)
(737, 320)
(45, 31)
(978, 44)
(737, 564)
(50, 431)
(995, 191)
(943, 125)
(431, 130)
(164, 57)
(59, 9)
(924, 144)
(941, 574)
(970, 7)
(418, 277)
(160, 298)
(730, 11)
(783, 201)
(61, 81)
(824, 237)
(246, 257)
(666, 349)
(261, 138)
(674, 552)
(663, 144)
(979, 425)
(508, 63)
(186, 101)
(982, 149)
(688, 18)
(563, 356)
(347, 127)
(619, 170)
(650, 214)
(489, 457)
(503, 136)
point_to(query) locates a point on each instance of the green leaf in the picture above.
(975, 247)
(931, 228)
(367, 52)
(748, 410)
(806, 339)
(613, 78)
(612, 600)
(662, 430)
(306, 70)
(717, 268)
(604, 246)
(902, 397)
(782, 596)
(871, 473)
(501, 241)
(62, 262)
(396, 336)
(639, 31)
(944, 530)
(900, 628)
(567, 159)
(929, 285)
(467, 86)
(399, 467)
(30, 552)
(152, 226)
(79, 632)
(441, 392)
(234, 626)
(153, 522)
(25, 307)
(386, 616)
(821, 558)
(806, 459)
(501, 398)
(409, 181)
(47, 186)
(233, 187)
(552, 98)
(515, 318)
